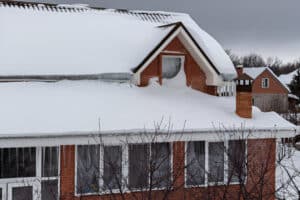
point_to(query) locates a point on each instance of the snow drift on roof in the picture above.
(287, 78)
(38, 41)
(45, 42)
(40, 108)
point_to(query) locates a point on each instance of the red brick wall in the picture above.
(195, 77)
(275, 86)
(244, 104)
(258, 151)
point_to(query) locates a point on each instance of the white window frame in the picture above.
(75, 185)
(171, 164)
(53, 177)
(125, 169)
(186, 162)
(36, 180)
(225, 181)
(34, 183)
(3, 187)
(263, 82)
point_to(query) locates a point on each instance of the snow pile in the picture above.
(37, 108)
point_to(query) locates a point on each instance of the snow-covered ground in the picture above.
(288, 175)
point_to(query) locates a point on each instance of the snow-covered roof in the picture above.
(42, 40)
(254, 72)
(76, 106)
(292, 96)
(287, 78)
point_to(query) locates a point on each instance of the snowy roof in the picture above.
(254, 72)
(42, 40)
(287, 78)
(32, 108)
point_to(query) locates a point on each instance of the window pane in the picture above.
(170, 67)
(196, 163)
(138, 165)
(236, 161)
(50, 190)
(88, 169)
(216, 162)
(112, 173)
(161, 164)
(22, 193)
(0, 193)
(50, 161)
(17, 162)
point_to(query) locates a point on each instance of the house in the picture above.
(269, 93)
(101, 103)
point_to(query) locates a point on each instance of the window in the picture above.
(50, 161)
(160, 165)
(0, 193)
(49, 184)
(22, 193)
(236, 161)
(216, 162)
(88, 169)
(170, 66)
(50, 190)
(138, 165)
(17, 162)
(265, 83)
(112, 172)
(195, 163)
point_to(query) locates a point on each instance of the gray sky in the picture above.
(268, 27)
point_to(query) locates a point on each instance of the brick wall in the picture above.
(275, 86)
(195, 76)
(244, 104)
(261, 157)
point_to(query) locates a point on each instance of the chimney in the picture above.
(239, 70)
(244, 96)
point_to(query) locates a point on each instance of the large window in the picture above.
(170, 66)
(236, 161)
(88, 169)
(138, 165)
(17, 162)
(22, 170)
(216, 162)
(195, 163)
(160, 165)
(50, 163)
(112, 172)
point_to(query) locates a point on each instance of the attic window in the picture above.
(265, 83)
(171, 66)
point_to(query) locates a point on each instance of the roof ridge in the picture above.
(77, 7)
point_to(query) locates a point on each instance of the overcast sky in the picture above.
(268, 27)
